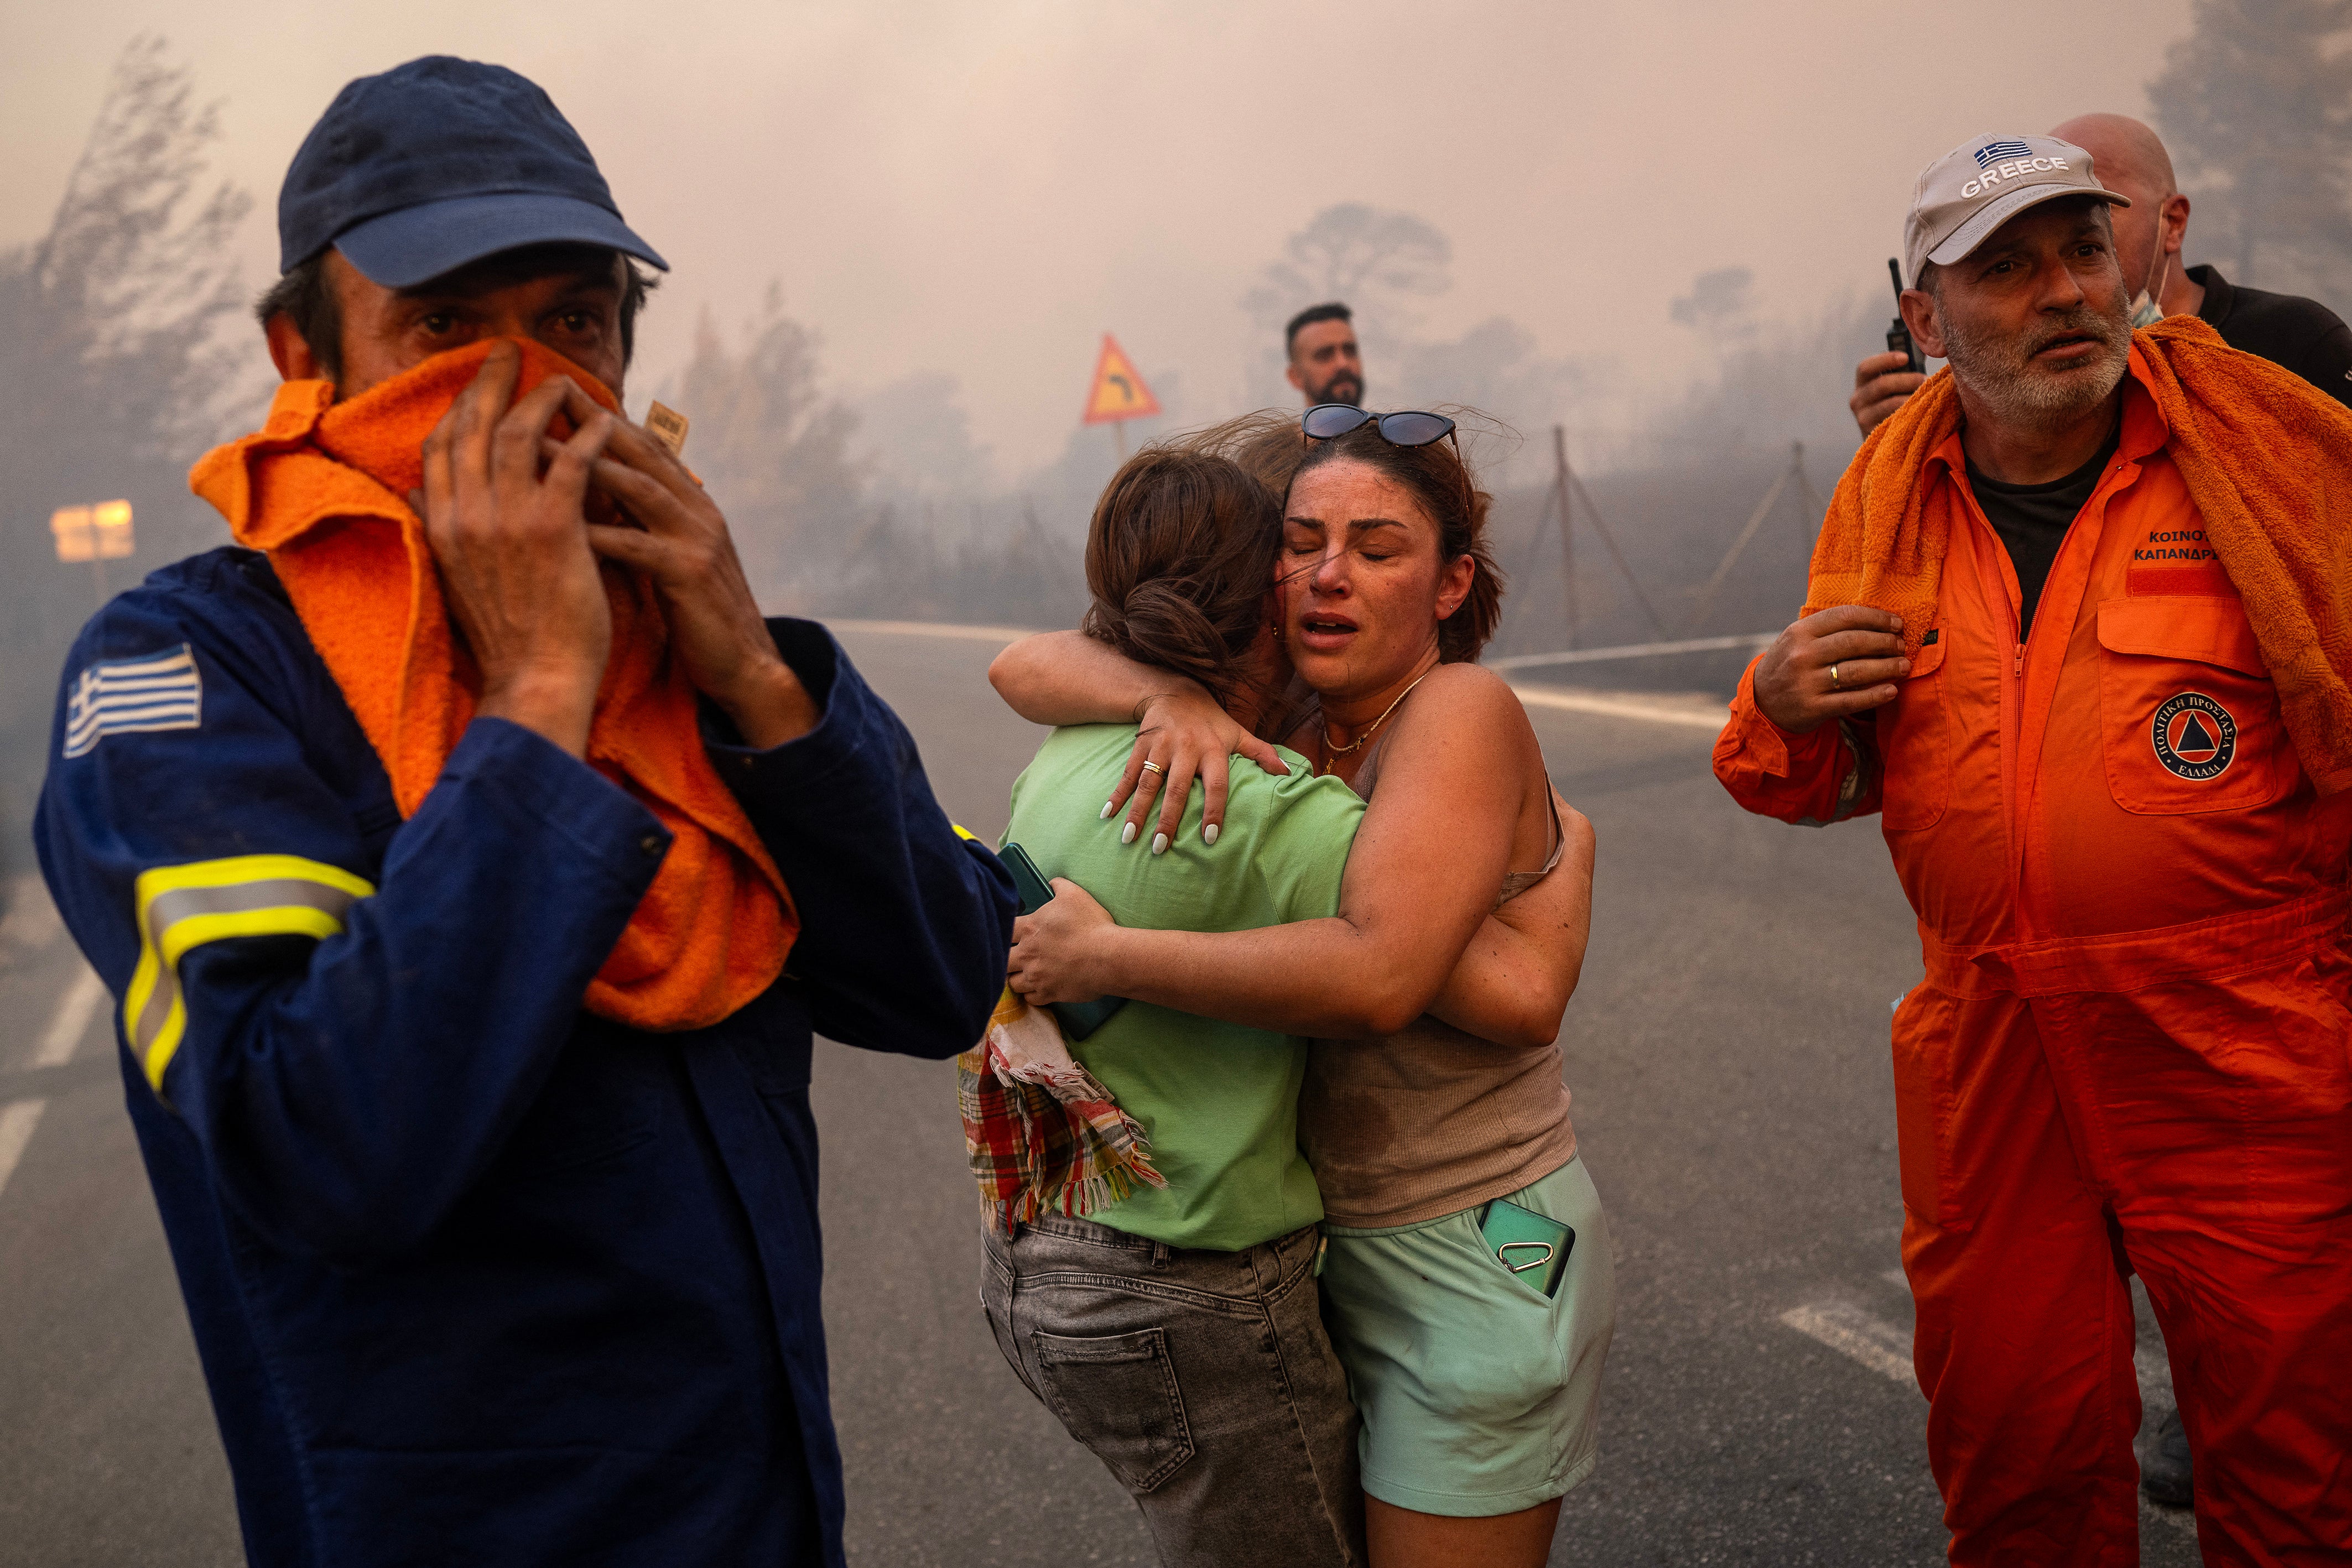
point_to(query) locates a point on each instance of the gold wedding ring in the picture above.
(1153, 767)
(1834, 687)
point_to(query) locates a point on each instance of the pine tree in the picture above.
(115, 374)
(775, 450)
(2255, 106)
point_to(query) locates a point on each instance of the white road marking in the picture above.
(71, 1019)
(2154, 1372)
(1635, 651)
(1886, 1350)
(31, 923)
(1877, 1344)
(936, 629)
(18, 1120)
(1694, 714)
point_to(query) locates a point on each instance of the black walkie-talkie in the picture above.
(1898, 336)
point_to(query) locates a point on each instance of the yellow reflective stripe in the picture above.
(182, 907)
(281, 920)
(964, 832)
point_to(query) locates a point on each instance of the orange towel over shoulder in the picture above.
(320, 489)
(2267, 457)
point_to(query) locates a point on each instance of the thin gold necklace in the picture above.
(1333, 753)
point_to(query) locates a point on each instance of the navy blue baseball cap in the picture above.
(439, 163)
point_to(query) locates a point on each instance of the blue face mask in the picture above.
(2145, 310)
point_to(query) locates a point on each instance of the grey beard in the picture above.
(1999, 370)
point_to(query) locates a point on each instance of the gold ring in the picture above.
(1153, 767)
(1834, 687)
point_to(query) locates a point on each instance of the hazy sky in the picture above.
(984, 190)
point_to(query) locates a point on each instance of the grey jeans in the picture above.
(1202, 1380)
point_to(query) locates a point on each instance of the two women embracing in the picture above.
(1356, 1310)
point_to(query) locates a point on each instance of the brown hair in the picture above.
(1180, 560)
(1442, 483)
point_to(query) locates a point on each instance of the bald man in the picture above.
(2301, 335)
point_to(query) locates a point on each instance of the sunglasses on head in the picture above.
(1330, 420)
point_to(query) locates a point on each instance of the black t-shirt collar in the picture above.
(2086, 476)
(2214, 309)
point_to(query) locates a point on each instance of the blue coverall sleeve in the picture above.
(905, 926)
(349, 1028)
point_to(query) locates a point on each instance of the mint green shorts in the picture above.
(1479, 1396)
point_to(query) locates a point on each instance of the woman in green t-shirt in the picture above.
(1432, 1110)
(1177, 1333)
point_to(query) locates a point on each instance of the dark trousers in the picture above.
(1202, 1380)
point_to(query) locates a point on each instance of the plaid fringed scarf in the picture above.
(1042, 1135)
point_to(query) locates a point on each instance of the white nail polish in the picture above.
(1108, 807)
(1127, 835)
(1209, 834)
(1159, 844)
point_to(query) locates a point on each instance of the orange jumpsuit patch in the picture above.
(2194, 737)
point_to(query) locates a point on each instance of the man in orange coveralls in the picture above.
(2077, 629)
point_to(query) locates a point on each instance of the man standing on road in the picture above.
(2079, 629)
(2301, 334)
(471, 903)
(1325, 365)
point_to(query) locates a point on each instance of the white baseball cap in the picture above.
(1982, 184)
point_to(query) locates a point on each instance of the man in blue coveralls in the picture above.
(479, 1273)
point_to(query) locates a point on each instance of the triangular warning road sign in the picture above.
(1117, 393)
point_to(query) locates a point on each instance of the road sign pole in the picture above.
(1567, 537)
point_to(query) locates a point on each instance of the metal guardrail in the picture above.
(1634, 651)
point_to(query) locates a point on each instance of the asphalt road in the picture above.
(1727, 1051)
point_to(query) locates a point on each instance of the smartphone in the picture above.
(1078, 1019)
(1533, 1246)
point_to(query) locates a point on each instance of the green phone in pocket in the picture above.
(1533, 1246)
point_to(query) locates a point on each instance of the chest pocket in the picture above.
(603, 1098)
(2188, 719)
(1915, 744)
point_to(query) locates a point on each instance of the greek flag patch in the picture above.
(121, 696)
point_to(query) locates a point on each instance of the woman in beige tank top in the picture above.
(1478, 1393)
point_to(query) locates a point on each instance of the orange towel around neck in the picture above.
(2266, 456)
(322, 488)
